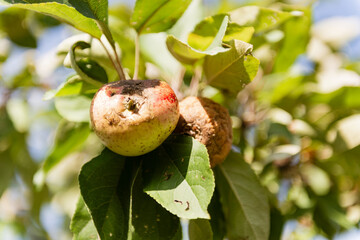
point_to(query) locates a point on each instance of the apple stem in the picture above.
(114, 58)
(137, 56)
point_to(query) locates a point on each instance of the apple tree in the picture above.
(294, 145)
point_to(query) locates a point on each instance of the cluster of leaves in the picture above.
(282, 130)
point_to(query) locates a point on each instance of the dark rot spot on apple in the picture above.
(132, 87)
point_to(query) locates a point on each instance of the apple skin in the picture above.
(133, 117)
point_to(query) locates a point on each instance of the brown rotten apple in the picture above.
(133, 117)
(209, 123)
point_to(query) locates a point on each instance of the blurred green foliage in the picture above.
(297, 124)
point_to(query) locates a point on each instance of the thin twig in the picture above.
(137, 56)
(195, 80)
(116, 62)
(177, 82)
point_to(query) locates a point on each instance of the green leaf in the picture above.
(94, 9)
(73, 86)
(233, 69)
(245, 203)
(200, 229)
(178, 176)
(13, 22)
(63, 11)
(74, 108)
(111, 186)
(97, 52)
(87, 69)
(262, 19)
(81, 223)
(217, 220)
(99, 180)
(235, 31)
(188, 55)
(215, 27)
(148, 219)
(157, 15)
(182, 51)
(93, 70)
(209, 32)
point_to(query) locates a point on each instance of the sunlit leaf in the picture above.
(111, 186)
(188, 54)
(83, 15)
(243, 199)
(235, 31)
(182, 51)
(157, 15)
(233, 69)
(209, 32)
(178, 176)
(94, 9)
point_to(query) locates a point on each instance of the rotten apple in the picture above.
(209, 123)
(133, 117)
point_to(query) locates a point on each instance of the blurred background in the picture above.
(297, 123)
